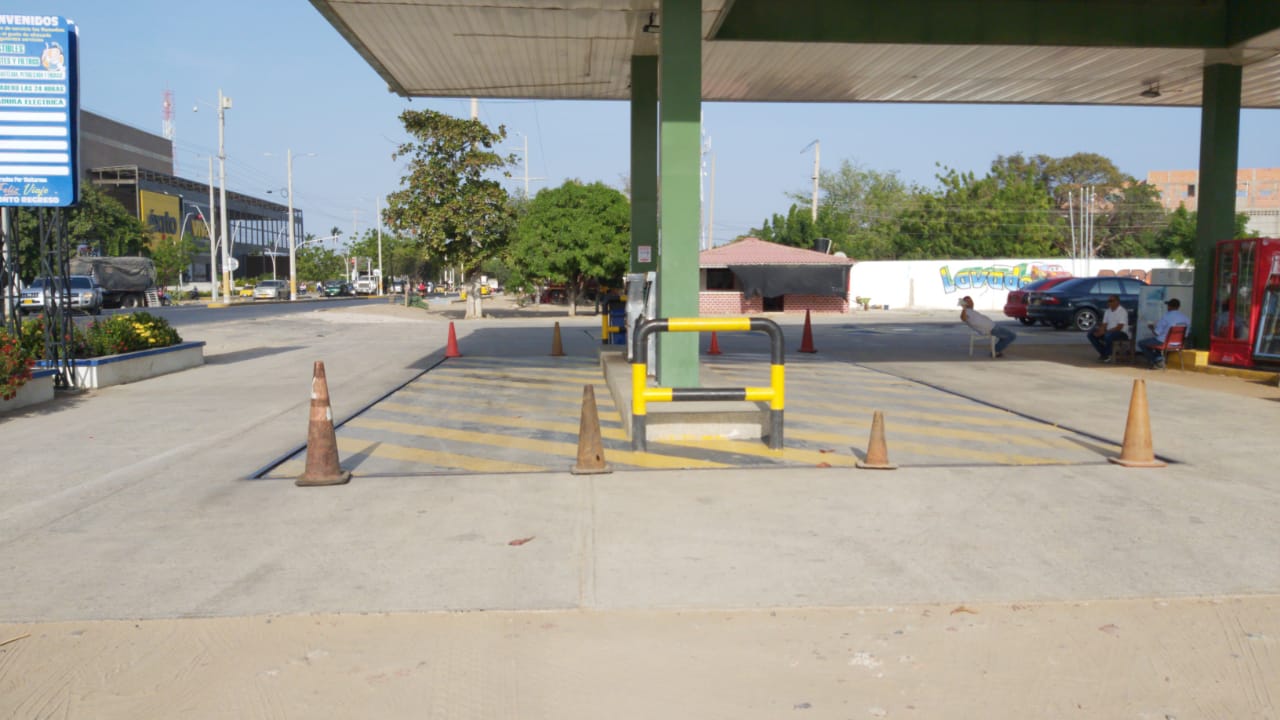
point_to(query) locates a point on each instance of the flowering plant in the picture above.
(129, 333)
(15, 366)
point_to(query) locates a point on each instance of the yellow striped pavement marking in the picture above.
(551, 447)
(757, 448)
(449, 406)
(512, 421)
(932, 449)
(420, 386)
(434, 458)
(864, 422)
(842, 410)
(539, 372)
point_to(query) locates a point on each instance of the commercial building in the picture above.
(1257, 194)
(136, 168)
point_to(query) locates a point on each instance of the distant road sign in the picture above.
(233, 264)
(39, 111)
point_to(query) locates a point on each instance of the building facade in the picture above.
(1257, 194)
(136, 168)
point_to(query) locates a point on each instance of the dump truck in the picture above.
(125, 281)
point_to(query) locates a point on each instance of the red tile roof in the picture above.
(754, 251)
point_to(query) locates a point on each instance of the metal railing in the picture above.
(642, 394)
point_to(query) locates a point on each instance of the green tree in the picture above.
(317, 264)
(172, 255)
(860, 210)
(450, 201)
(98, 221)
(571, 234)
(1177, 240)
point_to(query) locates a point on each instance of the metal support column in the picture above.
(1216, 204)
(679, 211)
(644, 163)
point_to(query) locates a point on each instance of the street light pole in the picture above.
(377, 216)
(293, 249)
(213, 237)
(223, 104)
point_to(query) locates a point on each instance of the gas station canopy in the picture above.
(1093, 52)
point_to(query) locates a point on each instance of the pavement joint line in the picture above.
(281, 459)
(1082, 433)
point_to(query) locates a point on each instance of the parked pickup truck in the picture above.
(366, 285)
(85, 295)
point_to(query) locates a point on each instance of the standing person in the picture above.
(984, 325)
(1173, 316)
(1111, 329)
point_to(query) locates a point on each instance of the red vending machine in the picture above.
(1246, 297)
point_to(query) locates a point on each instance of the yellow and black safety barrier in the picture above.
(642, 394)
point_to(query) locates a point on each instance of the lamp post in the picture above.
(224, 104)
(293, 245)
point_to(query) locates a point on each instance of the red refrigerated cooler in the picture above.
(1246, 303)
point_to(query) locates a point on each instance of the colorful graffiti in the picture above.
(996, 277)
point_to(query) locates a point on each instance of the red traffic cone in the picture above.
(715, 345)
(806, 342)
(451, 351)
(322, 443)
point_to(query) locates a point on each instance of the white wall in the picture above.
(935, 284)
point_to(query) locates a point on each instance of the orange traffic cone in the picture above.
(322, 443)
(451, 350)
(590, 446)
(877, 450)
(806, 342)
(715, 345)
(1136, 451)
(557, 350)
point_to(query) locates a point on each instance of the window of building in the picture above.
(1191, 190)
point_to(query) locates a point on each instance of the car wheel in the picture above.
(96, 311)
(130, 301)
(1026, 321)
(1085, 319)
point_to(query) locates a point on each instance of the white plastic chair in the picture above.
(976, 338)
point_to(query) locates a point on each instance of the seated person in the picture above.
(1172, 317)
(1112, 328)
(984, 325)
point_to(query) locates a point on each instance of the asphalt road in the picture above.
(198, 313)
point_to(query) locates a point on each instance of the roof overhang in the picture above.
(1094, 52)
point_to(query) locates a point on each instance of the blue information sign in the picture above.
(39, 111)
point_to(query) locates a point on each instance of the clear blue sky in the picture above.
(296, 84)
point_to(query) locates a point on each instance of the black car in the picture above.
(1080, 302)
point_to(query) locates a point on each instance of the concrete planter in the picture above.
(37, 390)
(131, 367)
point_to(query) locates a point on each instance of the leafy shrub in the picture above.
(15, 366)
(33, 339)
(129, 333)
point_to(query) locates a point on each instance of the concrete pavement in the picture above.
(130, 504)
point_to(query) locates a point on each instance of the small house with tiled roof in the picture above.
(752, 276)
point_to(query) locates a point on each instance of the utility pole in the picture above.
(475, 108)
(355, 229)
(711, 211)
(817, 151)
(293, 250)
(223, 104)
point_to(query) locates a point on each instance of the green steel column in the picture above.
(679, 211)
(1216, 191)
(644, 163)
